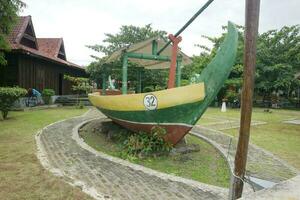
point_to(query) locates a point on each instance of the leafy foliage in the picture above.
(95, 70)
(147, 144)
(46, 94)
(128, 35)
(278, 60)
(148, 89)
(8, 95)
(231, 96)
(8, 17)
(80, 84)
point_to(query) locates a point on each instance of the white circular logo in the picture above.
(150, 102)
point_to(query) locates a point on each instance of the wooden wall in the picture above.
(8, 73)
(32, 72)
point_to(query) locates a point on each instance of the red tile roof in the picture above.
(18, 30)
(48, 48)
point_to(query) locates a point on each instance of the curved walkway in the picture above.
(104, 177)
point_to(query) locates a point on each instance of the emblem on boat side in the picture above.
(150, 102)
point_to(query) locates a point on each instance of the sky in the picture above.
(84, 22)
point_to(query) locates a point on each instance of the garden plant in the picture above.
(8, 95)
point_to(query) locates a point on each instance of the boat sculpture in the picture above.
(175, 109)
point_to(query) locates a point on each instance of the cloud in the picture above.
(84, 22)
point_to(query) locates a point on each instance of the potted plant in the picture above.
(46, 94)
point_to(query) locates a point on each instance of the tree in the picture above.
(197, 65)
(95, 70)
(278, 60)
(8, 17)
(233, 83)
(127, 35)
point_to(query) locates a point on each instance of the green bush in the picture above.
(147, 144)
(8, 95)
(231, 96)
(184, 82)
(80, 105)
(46, 94)
(148, 89)
(80, 85)
(158, 88)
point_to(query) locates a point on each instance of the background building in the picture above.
(37, 62)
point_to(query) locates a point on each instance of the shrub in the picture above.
(80, 85)
(184, 82)
(158, 88)
(148, 89)
(80, 105)
(147, 144)
(8, 95)
(46, 94)
(231, 96)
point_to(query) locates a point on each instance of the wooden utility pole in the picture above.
(251, 30)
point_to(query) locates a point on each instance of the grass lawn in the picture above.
(206, 166)
(281, 139)
(21, 174)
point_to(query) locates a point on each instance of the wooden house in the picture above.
(37, 62)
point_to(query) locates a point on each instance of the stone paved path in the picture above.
(107, 178)
(260, 163)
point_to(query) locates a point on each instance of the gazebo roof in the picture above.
(145, 47)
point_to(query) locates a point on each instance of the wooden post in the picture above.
(154, 47)
(139, 79)
(104, 80)
(178, 72)
(124, 73)
(298, 97)
(103, 83)
(172, 73)
(251, 30)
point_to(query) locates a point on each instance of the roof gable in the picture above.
(23, 33)
(51, 49)
(61, 52)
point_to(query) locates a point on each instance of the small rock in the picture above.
(188, 148)
(110, 135)
(184, 158)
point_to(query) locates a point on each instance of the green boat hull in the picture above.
(179, 119)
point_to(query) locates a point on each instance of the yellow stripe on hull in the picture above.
(135, 102)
